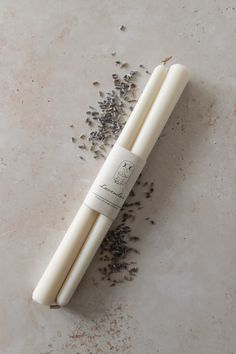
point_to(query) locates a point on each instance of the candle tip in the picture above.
(182, 68)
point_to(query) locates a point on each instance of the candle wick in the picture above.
(164, 61)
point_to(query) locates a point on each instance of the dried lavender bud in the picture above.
(134, 238)
(132, 194)
(122, 28)
(118, 244)
(134, 270)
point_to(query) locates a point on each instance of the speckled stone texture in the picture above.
(183, 299)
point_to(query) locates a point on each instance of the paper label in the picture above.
(114, 182)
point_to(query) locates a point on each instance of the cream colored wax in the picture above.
(65, 255)
(158, 115)
(59, 266)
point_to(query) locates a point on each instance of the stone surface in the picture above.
(183, 299)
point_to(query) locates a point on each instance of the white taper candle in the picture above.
(65, 255)
(162, 107)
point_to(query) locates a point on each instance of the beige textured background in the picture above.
(183, 300)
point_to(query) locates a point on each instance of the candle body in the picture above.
(65, 255)
(142, 108)
(162, 107)
(50, 283)
(81, 264)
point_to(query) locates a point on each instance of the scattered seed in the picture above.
(113, 54)
(122, 28)
(71, 126)
(95, 83)
(73, 140)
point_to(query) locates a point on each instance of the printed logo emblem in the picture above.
(123, 172)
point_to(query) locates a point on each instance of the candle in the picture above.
(161, 109)
(84, 259)
(142, 108)
(65, 255)
(170, 92)
(63, 258)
